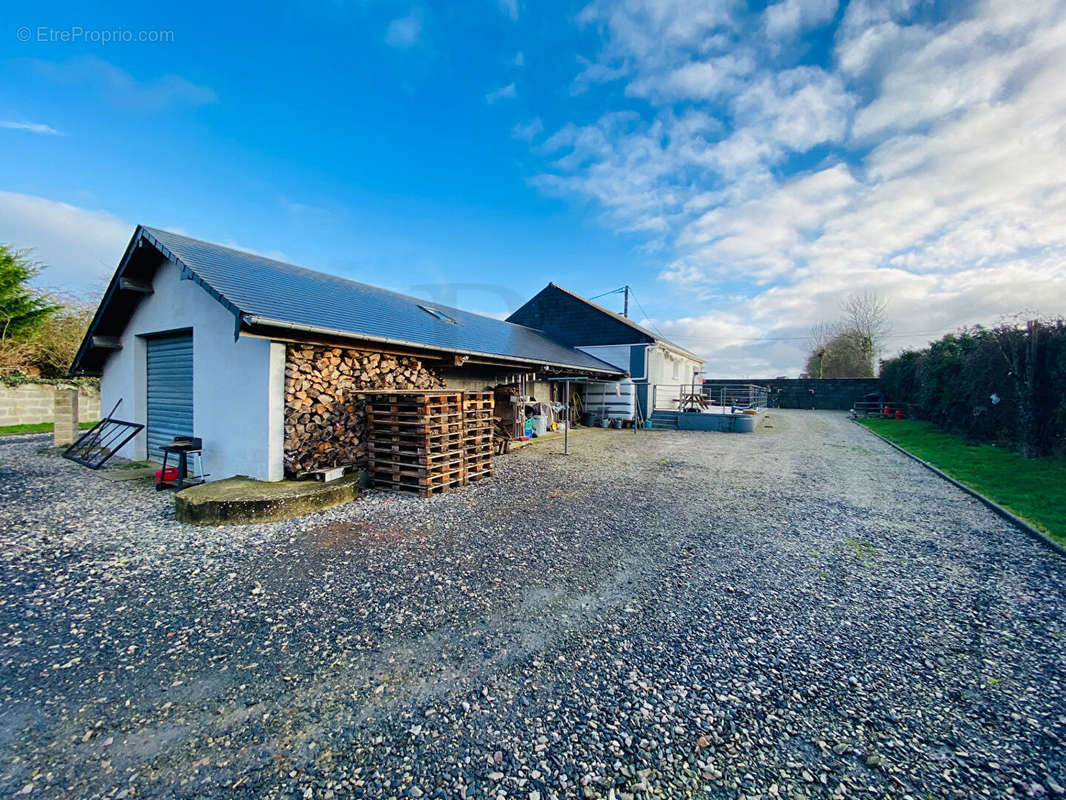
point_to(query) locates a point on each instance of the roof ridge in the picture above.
(658, 337)
(331, 276)
(213, 267)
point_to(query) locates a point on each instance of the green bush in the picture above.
(1005, 385)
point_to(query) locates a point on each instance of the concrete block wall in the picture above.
(34, 403)
(837, 394)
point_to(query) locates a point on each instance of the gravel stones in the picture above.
(800, 613)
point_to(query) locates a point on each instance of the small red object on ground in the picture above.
(170, 475)
(899, 413)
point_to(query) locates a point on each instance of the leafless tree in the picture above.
(821, 335)
(864, 315)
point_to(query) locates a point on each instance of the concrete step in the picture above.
(663, 421)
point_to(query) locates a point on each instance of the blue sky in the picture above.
(742, 165)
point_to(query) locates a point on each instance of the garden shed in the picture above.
(267, 362)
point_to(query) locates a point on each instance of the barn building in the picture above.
(650, 359)
(193, 338)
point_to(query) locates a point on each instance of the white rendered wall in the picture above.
(661, 363)
(237, 386)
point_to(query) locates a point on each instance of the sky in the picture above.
(743, 166)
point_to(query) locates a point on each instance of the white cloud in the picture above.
(797, 108)
(404, 32)
(119, 88)
(507, 92)
(924, 160)
(80, 248)
(528, 131)
(646, 28)
(695, 80)
(30, 127)
(594, 72)
(794, 16)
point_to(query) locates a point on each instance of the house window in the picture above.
(433, 312)
(677, 370)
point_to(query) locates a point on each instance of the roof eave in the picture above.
(141, 234)
(254, 321)
(112, 287)
(668, 345)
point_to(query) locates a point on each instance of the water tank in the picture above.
(610, 400)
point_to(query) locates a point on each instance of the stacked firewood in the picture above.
(325, 414)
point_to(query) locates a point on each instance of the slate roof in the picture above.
(569, 317)
(263, 293)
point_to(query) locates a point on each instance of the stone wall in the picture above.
(325, 414)
(829, 393)
(34, 403)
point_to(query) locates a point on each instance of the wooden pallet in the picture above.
(418, 477)
(421, 491)
(478, 448)
(389, 449)
(429, 442)
(434, 462)
(415, 441)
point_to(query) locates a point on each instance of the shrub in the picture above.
(1005, 384)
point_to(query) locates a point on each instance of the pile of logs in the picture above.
(325, 414)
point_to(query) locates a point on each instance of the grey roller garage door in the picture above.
(169, 391)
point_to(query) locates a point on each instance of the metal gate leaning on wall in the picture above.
(170, 411)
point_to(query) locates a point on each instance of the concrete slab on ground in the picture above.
(241, 500)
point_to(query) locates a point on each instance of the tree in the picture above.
(821, 335)
(864, 315)
(55, 343)
(842, 356)
(22, 309)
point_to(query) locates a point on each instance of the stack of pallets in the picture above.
(416, 441)
(477, 434)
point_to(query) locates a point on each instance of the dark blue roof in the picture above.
(265, 293)
(570, 318)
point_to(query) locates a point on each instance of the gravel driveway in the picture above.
(799, 612)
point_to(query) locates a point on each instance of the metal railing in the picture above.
(672, 397)
(880, 408)
(738, 395)
(667, 397)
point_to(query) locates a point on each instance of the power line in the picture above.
(655, 328)
(795, 338)
(613, 291)
(646, 315)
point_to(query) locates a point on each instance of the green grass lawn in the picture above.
(41, 427)
(1032, 488)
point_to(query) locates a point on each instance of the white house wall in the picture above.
(661, 364)
(661, 374)
(237, 386)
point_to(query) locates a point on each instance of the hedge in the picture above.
(1005, 385)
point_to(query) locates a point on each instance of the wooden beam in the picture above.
(131, 285)
(287, 336)
(107, 343)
